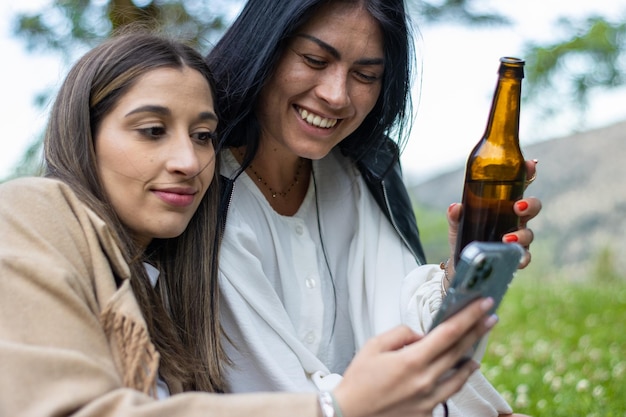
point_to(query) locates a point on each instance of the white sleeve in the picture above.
(420, 299)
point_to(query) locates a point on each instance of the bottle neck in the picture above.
(503, 124)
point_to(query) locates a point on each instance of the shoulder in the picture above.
(48, 223)
(39, 208)
(41, 201)
(33, 190)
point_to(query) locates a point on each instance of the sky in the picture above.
(458, 75)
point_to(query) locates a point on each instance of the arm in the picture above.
(56, 359)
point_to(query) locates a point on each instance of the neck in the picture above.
(283, 179)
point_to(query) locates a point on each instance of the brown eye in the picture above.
(205, 137)
(154, 132)
(314, 62)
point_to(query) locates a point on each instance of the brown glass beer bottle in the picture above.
(496, 170)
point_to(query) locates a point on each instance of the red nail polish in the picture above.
(521, 205)
(510, 238)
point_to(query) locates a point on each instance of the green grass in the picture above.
(560, 349)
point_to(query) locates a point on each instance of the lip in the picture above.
(177, 197)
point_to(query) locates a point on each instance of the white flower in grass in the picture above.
(507, 395)
(542, 404)
(601, 374)
(499, 350)
(584, 341)
(525, 369)
(521, 400)
(570, 378)
(507, 362)
(583, 385)
(493, 372)
(556, 383)
(598, 391)
(619, 370)
(595, 354)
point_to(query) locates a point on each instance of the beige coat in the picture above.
(71, 341)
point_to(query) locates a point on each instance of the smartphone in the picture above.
(485, 269)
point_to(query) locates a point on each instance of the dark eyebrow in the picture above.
(335, 53)
(164, 111)
(150, 109)
(207, 115)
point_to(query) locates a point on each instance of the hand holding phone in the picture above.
(485, 269)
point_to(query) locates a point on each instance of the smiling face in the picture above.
(155, 154)
(326, 82)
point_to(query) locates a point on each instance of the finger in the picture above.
(531, 172)
(453, 215)
(451, 331)
(450, 359)
(527, 208)
(451, 384)
(522, 236)
(393, 339)
(525, 260)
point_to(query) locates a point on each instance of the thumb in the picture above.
(391, 340)
(453, 215)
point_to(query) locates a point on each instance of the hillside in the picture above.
(582, 184)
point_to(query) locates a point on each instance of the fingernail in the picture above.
(536, 161)
(510, 238)
(487, 303)
(491, 321)
(450, 207)
(521, 205)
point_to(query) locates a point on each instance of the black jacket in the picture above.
(383, 176)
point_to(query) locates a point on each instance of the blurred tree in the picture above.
(589, 56)
(70, 27)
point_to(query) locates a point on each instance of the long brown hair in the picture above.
(182, 310)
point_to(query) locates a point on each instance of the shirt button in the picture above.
(299, 230)
(310, 283)
(310, 337)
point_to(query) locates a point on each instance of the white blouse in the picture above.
(302, 293)
(163, 391)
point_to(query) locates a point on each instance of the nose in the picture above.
(183, 156)
(333, 88)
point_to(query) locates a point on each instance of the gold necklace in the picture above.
(274, 193)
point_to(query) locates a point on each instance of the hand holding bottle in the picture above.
(527, 208)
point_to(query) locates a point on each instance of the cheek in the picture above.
(370, 97)
(208, 172)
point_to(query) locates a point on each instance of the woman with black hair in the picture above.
(321, 250)
(108, 273)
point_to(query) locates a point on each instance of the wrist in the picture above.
(329, 405)
(445, 280)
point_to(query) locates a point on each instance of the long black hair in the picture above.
(246, 57)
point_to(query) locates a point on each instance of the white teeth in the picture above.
(316, 120)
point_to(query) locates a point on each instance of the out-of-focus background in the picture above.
(559, 349)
